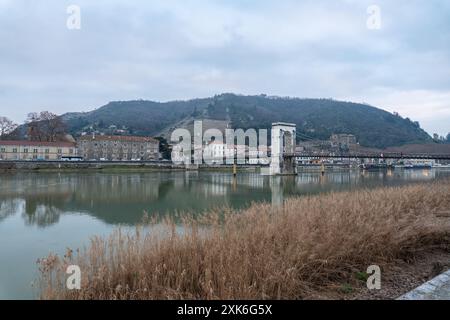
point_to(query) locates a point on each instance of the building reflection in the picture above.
(277, 191)
(42, 198)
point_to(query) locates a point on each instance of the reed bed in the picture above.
(297, 251)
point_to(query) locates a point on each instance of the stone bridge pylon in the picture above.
(283, 149)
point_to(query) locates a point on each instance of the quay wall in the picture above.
(6, 166)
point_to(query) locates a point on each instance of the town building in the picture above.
(118, 148)
(178, 155)
(36, 150)
(343, 140)
(214, 152)
(259, 156)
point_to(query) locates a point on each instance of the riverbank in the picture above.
(49, 166)
(312, 247)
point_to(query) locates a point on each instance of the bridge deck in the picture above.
(373, 156)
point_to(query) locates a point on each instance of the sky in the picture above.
(394, 55)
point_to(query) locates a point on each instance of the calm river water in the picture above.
(48, 212)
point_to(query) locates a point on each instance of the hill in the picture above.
(315, 118)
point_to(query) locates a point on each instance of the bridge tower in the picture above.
(283, 149)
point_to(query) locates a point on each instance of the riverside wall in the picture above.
(6, 166)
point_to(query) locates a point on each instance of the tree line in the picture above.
(46, 126)
(441, 139)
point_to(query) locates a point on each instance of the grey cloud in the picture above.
(166, 50)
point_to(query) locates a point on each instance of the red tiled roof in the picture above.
(117, 138)
(36, 143)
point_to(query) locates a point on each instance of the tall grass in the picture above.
(289, 252)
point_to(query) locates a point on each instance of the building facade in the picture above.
(214, 152)
(118, 148)
(343, 140)
(260, 155)
(36, 150)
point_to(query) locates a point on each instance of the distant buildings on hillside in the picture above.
(102, 129)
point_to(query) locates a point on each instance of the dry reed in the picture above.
(290, 252)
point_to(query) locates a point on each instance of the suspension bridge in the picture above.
(284, 155)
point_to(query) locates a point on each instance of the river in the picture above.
(48, 212)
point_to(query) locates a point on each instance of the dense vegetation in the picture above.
(315, 118)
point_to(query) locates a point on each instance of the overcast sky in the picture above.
(165, 50)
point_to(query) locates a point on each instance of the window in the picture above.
(35, 150)
(47, 157)
(59, 151)
(25, 150)
(47, 150)
(71, 151)
(3, 150)
(15, 150)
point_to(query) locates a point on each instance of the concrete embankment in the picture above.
(6, 166)
(435, 289)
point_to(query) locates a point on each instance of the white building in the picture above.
(259, 156)
(214, 152)
(178, 155)
(36, 150)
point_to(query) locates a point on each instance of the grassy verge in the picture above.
(309, 248)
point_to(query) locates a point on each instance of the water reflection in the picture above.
(9, 207)
(48, 212)
(41, 198)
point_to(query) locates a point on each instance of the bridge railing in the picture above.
(390, 155)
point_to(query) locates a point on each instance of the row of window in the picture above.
(116, 144)
(115, 155)
(25, 157)
(26, 150)
(113, 148)
(117, 151)
(116, 147)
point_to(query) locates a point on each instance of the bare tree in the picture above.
(6, 126)
(45, 126)
(34, 127)
(53, 126)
